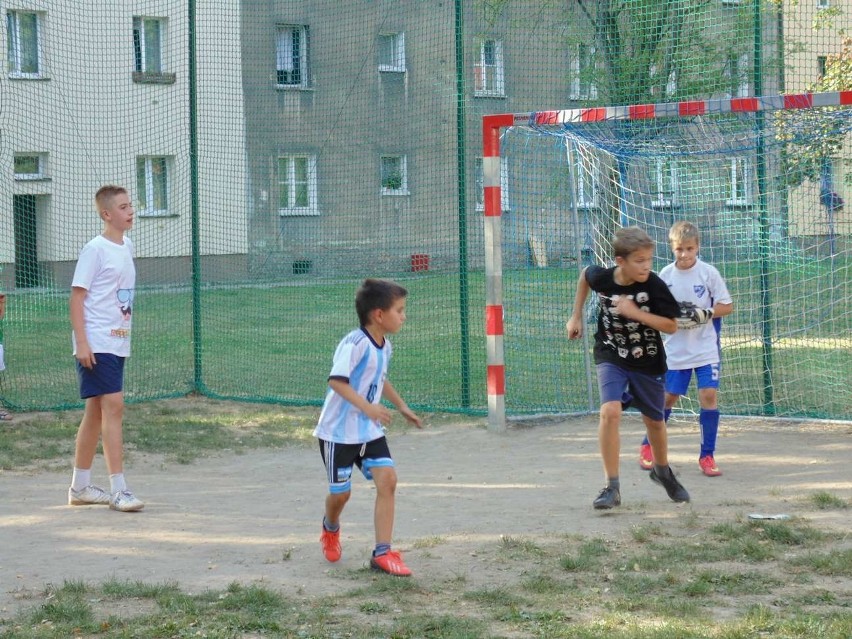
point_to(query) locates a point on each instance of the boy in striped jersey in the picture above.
(351, 425)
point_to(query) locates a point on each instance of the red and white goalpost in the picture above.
(493, 126)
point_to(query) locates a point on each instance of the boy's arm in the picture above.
(2, 305)
(376, 412)
(574, 326)
(84, 352)
(628, 308)
(720, 310)
(390, 394)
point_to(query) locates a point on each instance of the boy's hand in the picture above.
(625, 306)
(85, 356)
(378, 413)
(574, 328)
(411, 417)
(701, 315)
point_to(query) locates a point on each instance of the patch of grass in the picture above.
(646, 532)
(518, 547)
(428, 542)
(835, 563)
(824, 500)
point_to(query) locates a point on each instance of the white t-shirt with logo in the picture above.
(105, 269)
(701, 286)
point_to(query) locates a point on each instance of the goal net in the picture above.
(767, 182)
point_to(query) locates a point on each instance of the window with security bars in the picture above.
(292, 56)
(394, 175)
(148, 38)
(582, 80)
(488, 69)
(297, 185)
(392, 52)
(152, 185)
(740, 182)
(736, 73)
(666, 194)
(23, 43)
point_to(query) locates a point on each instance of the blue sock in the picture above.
(708, 420)
(381, 549)
(329, 527)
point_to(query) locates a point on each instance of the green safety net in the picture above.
(278, 153)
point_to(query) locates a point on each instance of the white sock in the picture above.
(81, 478)
(117, 483)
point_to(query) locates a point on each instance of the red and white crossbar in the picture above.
(491, 125)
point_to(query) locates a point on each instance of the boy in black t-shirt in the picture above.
(635, 306)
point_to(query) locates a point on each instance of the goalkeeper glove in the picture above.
(701, 315)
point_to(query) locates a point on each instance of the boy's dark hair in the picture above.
(629, 240)
(106, 193)
(374, 294)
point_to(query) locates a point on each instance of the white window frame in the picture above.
(740, 182)
(823, 4)
(582, 85)
(285, 61)
(146, 188)
(396, 42)
(667, 193)
(584, 172)
(731, 2)
(488, 74)
(40, 173)
(480, 184)
(13, 43)
(141, 27)
(403, 171)
(737, 70)
(309, 184)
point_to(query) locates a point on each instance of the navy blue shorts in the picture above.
(643, 391)
(104, 378)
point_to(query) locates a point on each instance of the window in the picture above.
(392, 52)
(148, 37)
(671, 82)
(740, 182)
(480, 185)
(394, 175)
(823, 4)
(30, 166)
(731, 2)
(297, 185)
(292, 56)
(822, 61)
(737, 76)
(24, 43)
(666, 194)
(584, 171)
(582, 79)
(488, 70)
(152, 185)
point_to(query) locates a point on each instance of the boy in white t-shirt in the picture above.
(704, 299)
(351, 425)
(101, 312)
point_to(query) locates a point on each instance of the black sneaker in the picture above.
(608, 498)
(668, 481)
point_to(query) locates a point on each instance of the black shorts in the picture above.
(339, 459)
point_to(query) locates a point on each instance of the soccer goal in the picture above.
(765, 179)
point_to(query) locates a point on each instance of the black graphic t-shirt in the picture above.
(624, 341)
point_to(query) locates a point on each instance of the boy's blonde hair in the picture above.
(682, 231)
(631, 239)
(103, 197)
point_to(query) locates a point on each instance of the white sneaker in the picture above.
(88, 496)
(125, 501)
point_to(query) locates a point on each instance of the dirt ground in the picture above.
(255, 518)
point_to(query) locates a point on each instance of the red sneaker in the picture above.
(331, 544)
(709, 467)
(391, 563)
(646, 457)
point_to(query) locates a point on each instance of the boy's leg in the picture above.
(88, 434)
(658, 438)
(384, 478)
(112, 414)
(608, 437)
(708, 421)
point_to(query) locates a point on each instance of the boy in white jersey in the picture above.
(101, 311)
(351, 425)
(703, 298)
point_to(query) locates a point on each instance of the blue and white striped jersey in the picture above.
(364, 364)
